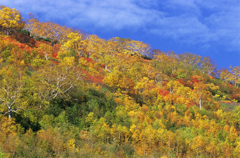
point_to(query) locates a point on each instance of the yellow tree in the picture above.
(201, 93)
(74, 42)
(138, 47)
(32, 25)
(235, 77)
(10, 18)
(117, 80)
(166, 62)
(224, 74)
(124, 63)
(138, 70)
(48, 29)
(146, 89)
(211, 147)
(54, 31)
(198, 145)
(8, 136)
(47, 50)
(94, 45)
(112, 46)
(208, 66)
(151, 72)
(12, 87)
(106, 51)
(189, 62)
(170, 140)
(132, 47)
(53, 81)
(135, 135)
(172, 86)
(232, 76)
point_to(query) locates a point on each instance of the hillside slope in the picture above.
(66, 94)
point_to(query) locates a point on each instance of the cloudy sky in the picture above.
(203, 27)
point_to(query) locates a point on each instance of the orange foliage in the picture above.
(163, 92)
(11, 40)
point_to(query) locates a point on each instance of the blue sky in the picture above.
(203, 27)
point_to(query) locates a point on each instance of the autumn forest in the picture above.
(66, 93)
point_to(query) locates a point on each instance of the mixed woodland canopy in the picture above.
(64, 93)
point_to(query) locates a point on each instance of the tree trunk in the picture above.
(200, 103)
(169, 144)
(88, 55)
(7, 31)
(9, 114)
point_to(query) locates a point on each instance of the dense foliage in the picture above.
(67, 94)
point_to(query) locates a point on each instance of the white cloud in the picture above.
(187, 21)
(185, 29)
(104, 13)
